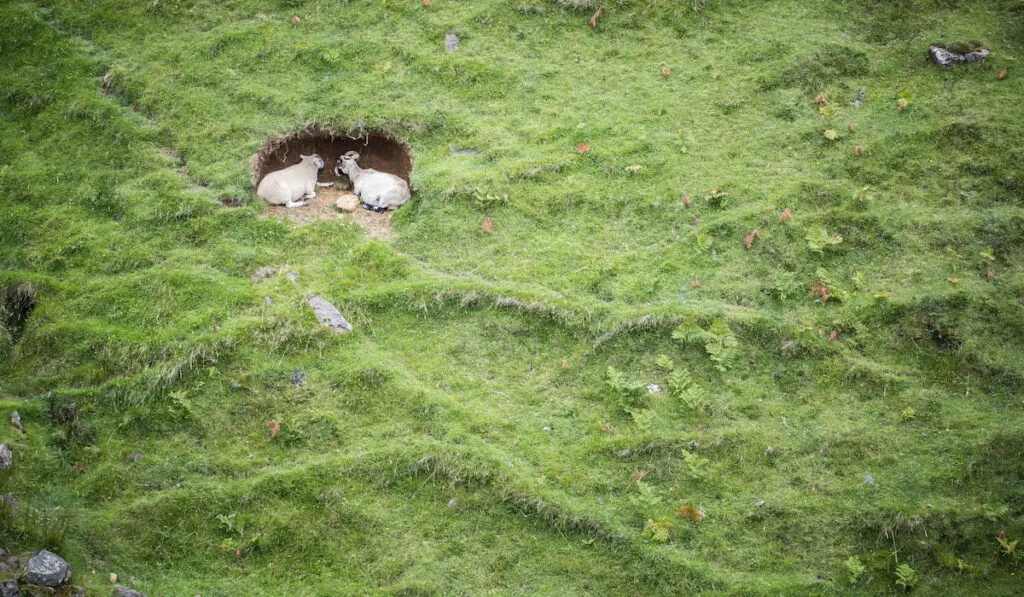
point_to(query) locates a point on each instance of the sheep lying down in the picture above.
(288, 186)
(378, 191)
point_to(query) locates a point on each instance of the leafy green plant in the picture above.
(658, 530)
(718, 340)
(906, 577)
(682, 387)
(696, 465)
(855, 568)
(818, 239)
(629, 395)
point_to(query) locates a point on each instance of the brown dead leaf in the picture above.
(833, 336)
(750, 237)
(296, 21)
(851, 128)
(593, 20)
(274, 426)
(77, 467)
(953, 281)
(487, 225)
(565, 365)
(690, 511)
(858, 150)
(696, 282)
(820, 99)
(639, 475)
(582, 148)
(665, 72)
(687, 202)
(990, 274)
(1002, 74)
(607, 428)
(820, 291)
(785, 216)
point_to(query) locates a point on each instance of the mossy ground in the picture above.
(486, 429)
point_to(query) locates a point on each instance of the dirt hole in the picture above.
(16, 305)
(377, 149)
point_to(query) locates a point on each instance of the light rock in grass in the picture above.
(944, 57)
(47, 569)
(120, 591)
(262, 274)
(451, 41)
(7, 501)
(6, 457)
(347, 203)
(10, 588)
(328, 316)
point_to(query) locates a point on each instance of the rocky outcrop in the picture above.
(47, 569)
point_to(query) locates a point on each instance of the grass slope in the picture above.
(487, 428)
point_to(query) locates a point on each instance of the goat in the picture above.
(286, 187)
(379, 191)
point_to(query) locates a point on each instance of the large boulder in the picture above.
(47, 569)
(6, 457)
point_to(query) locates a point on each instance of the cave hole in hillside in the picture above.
(16, 305)
(377, 149)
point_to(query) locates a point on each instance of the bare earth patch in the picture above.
(375, 225)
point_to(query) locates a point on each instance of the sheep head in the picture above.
(345, 162)
(319, 161)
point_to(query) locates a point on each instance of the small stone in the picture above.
(869, 479)
(10, 588)
(347, 203)
(451, 41)
(624, 453)
(262, 274)
(7, 501)
(135, 457)
(653, 388)
(6, 457)
(268, 300)
(47, 569)
(328, 315)
(298, 378)
(120, 591)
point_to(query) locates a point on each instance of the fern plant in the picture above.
(906, 577)
(718, 340)
(681, 386)
(628, 394)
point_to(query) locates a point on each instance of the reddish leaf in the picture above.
(833, 336)
(487, 225)
(565, 365)
(1002, 74)
(582, 148)
(593, 20)
(687, 202)
(858, 150)
(750, 237)
(696, 282)
(639, 475)
(608, 428)
(821, 292)
(665, 72)
(77, 467)
(785, 216)
(990, 274)
(296, 21)
(274, 426)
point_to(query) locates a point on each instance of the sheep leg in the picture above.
(325, 184)
(296, 204)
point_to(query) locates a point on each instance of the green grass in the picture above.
(472, 435)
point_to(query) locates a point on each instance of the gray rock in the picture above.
(6, 457)
(653, 388)
(136, 456)
(944, 57)
(120, 591)
(328, 315)
(298, 378)
(74, 591)
(10, 588)
(262, 274)
(451, 41)
(869, 479)
(47, 569)
(7, 501)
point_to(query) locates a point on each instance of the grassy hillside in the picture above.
(827, 292)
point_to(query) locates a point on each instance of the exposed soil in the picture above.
(377, 150)
(376, 225)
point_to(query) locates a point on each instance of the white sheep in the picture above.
(379, 191)
(286, 187)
